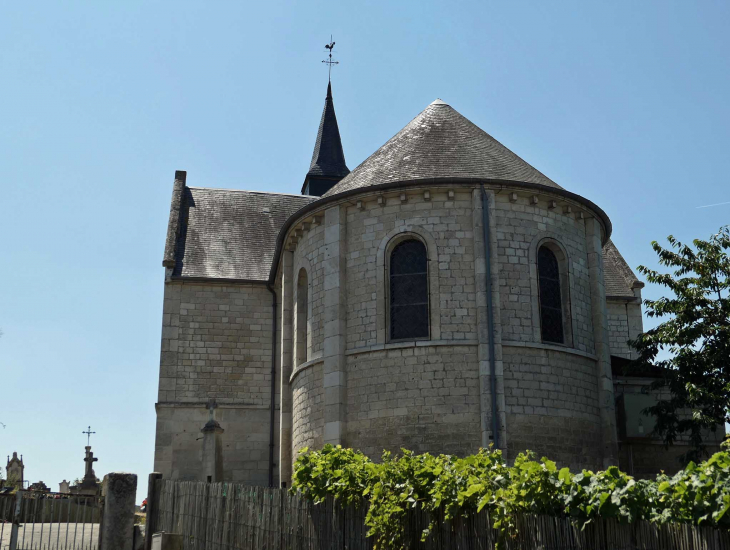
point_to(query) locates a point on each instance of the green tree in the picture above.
(692, 345)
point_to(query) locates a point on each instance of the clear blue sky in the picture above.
(625, 103)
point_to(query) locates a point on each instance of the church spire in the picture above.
(328, 160)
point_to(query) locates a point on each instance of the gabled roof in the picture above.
(328, 159)
(620, 280)
(440, 143)
(230, 234)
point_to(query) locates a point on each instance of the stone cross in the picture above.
(89, 463)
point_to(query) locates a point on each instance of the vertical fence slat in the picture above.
(226, 516)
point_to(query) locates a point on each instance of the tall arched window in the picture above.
(551, 301)
(409, 291)
(301, 320)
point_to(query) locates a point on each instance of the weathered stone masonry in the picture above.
(486, 371)
(428, 395)
(216, 343)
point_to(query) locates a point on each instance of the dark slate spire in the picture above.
(328, 160)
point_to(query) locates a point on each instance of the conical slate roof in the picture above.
(440, 143)
(328, 158)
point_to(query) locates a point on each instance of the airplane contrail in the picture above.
(709, 205)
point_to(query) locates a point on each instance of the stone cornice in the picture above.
(324, 202)
(548, 347)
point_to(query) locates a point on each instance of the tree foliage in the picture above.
(692, 345)
(700, 494)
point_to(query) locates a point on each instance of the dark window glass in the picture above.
(551, 304)
(302, 310)
(409, 291)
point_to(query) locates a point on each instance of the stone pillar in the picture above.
(88, 484)
(634, 317)
(212, 448)
(335, 324)
(117, 527)
(486, 284)
(15, 527)
(150, 511)
(285, 397)
(599, 317)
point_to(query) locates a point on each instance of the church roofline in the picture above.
(173, 224)
(616, 298)
(426, 182)
(216, 280)
(246, 191)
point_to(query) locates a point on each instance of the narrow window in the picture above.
(301, 329)
(409, 291)
(551, 303)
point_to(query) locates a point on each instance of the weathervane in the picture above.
(88, 433)
(329, 61)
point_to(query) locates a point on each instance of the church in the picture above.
(442, 296)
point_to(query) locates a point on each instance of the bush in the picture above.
(699, 494)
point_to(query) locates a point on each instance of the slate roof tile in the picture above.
(231, 234)
(617, 275)
(440, 143)
(328, 158)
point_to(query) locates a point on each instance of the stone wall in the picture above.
(216, 343)
(433, 395)
(310, 254)
(424, 398)
(178, 445)
(444, 221)
(551, 404)
(624, 323)
(308, 408)
(521, 226)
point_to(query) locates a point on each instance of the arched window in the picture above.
(551, 301)
(409, 291)
(301, 320)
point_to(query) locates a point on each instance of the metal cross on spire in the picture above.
(329, 61)
(88, 433)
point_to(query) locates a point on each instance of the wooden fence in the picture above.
(225, 516)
